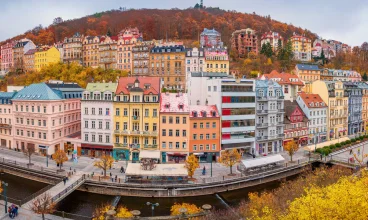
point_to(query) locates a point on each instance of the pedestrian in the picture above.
(116, 178)
(204, 171)
(351, 151)
(64, 180)
(110, 174)
(75, 171)
(112, 179)
(321, 156)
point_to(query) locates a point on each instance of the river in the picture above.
(84, 203)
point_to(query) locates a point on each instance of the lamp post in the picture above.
(47, 156)
(5, 186)
(211, 155)
(152, 206)
(127, 159)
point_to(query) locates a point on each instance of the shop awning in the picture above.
(177, 154)
(151, 154)
(135, 169)
(262, 161)
(94, 146)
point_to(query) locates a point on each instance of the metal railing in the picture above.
(70, 188)
(34, 195)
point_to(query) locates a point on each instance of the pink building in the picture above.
(47, 116)
(354, 76)
(7, 56)
(127, 39)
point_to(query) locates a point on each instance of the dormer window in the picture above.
(195, 114)
(167, 105)
(311, 104)
(181, 106)
(213, 114)
(204, 114)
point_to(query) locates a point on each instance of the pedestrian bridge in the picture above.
(61, 190)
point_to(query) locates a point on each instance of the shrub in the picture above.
(332, 146)
(319, 150)
(353, 140)
(361, 138)
(338, 145)
(348, 142)
(343, 143)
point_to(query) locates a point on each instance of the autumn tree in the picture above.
(229, 158)
(121, 212)
(104, 162)
(191, 209)
(191, 163)
(43, 204)
(291, 147)
(29, 151)
(60, 157)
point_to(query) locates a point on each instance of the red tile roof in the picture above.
(285, 78)
(174, 103)
(147, 84)
(312, 98)
(203, 109)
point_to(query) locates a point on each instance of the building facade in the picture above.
(97, 119)
(210, 38)
(136, 116)
(46, 56)
(204, 138)
(141, 58)
(72, 48)
(269, 117)
(355, 121)
(216, 60)
(302, 48)
(194, 60)
(290, 83)
(91, 52)
(168, 62)
(19, 49)
(29, 60)
(274, 38)
(6, 119)
(45, 114)
(364, 87)
(296, 124)
(308, 73)
(333, 94)
(174, 127)
(7, 56)
(127, 39)
(244, 41)
(315, 109)
(108, 52)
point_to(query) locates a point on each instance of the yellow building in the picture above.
(136, 116)
(217, 60)
(46, 56)
(332, 93)
(302, 48)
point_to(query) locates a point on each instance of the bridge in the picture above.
(60, 191)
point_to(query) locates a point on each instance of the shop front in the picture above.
(207, 157)
(303, 140)
(92, 150)
(120, 154)
(174, 157)
(42, 149)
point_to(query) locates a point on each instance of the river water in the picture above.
(84, 203)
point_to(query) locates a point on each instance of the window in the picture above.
(117, 125)
(117, 140)
(86, 137)
(100, 125)
(213, 124)
(194, 125)
(117, 112)
(195, 147)
(207, 125)
(163, 132)
(44, 136)
(107, 125)
(125, 112)
(146, 127)
(194, 136)
(93, 138)
(201, 136)
(214, 136)
(184, 120)
(107, 111)
(154, 127)
(164, 119)
(93, 124)
(213, 146)
(93, 111)
(177, 133)
(125, 126)
(184, 133)
(44, 123)
(146, 112)
(170, 132)
(177, 145)
(170, 145)
(154, 113)
(184, 145)
(100, 138)
(44, 111)
(207, 147)
(201, 125)
(86, 124)
(86, 111)
(163, 145)
(100, 111)
(207, 136)
(170, 120)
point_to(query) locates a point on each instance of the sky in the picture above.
(341, 20)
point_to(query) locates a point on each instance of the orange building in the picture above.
(204, 139)
(174, 127)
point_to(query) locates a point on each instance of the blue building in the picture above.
(269, 117)
(355, 122)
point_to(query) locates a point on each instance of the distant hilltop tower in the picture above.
(201, 6)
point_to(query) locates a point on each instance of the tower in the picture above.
(201, 6)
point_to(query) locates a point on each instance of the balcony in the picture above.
(135, 132)
(262, 125)
(116, 132)
(108, 60)
(135, 117)
(269, 98)
(125, 132)
(120, 145)
(262, 112)
(135, 146)
(149, 146)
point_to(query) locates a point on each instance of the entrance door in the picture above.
(163, 157)
(3, 142)
(135, 156)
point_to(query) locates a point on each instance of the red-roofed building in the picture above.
(302, 47)
(108, 52)
(136, 115)
(290, 83)
(174, 127)
(127, 40)
(205, 131)
(273, 38)
(296, 124)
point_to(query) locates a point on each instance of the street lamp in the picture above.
(5, 186)
(127, 159)
(152, 206)
(47, 156)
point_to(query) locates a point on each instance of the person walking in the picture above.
(64, 180)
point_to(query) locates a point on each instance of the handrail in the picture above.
(69, 188)
(34, 195)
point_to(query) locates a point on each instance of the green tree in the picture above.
(365, 77)
(323, 57)
(197, 6)
(109, 32)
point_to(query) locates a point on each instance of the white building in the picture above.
(235, 101)
(194, 60)
(315, 110)
(97, 119)
(273, 38)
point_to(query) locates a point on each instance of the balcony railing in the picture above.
(262, 125)
(135, 132)
(135, 117)
(116, 132)
(150, 146)
(5, 126)
(120, 145)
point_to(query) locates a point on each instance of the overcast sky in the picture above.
(342, 20)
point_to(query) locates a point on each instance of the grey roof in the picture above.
(39, 91)
(208, 74)
(168, 49)
(7, 94)
(308, 67)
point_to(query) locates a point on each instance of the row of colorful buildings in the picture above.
(218, 112)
